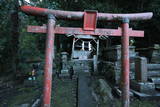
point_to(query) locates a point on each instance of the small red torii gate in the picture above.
(89, 27)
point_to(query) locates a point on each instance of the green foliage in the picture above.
(32, 45)
(4, 34)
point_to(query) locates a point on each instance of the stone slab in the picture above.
(145, 87)
(141, 69)
(143, 96)
(118, 92)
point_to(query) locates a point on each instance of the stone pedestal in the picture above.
(141, 69)
(140, 83)
(155, 51)
(81, 65)
(113, 54)
(95, 63)
(117, 72)
(143, 87)
(64, 58)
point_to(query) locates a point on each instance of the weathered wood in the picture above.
(80, 31)
(79, 15)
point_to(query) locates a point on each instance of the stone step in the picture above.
(153, 73)
(153, 66)
(145, 87)
(155, 80)
(147, 96)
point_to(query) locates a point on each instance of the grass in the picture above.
(62, 94)
(23, 95)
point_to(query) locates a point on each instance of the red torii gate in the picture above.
(89, 27)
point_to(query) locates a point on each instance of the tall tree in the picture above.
(14, 35)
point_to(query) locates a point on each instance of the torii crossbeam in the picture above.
(89, 27)
(80, 31)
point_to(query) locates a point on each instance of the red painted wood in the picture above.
(89, 24)
(125, 65)
(69, 30)
(49, 53)
(90, 20)
(75, 15)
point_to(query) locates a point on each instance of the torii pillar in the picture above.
(49, 55)
(125, 63)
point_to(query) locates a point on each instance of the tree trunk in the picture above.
(14, 36)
